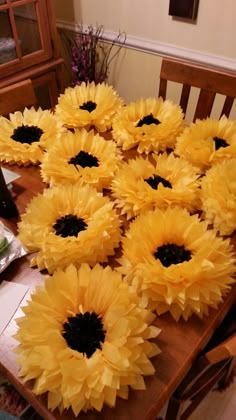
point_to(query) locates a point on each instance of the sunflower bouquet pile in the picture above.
(147, 195)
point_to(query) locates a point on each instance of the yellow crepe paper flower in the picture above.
(207, 142)
(218, 194)
(150, 124)
(26, 135)
(89, 105)
(84, 339)
(81, 156)
(69, 224)
(169, 181)
(176, 263)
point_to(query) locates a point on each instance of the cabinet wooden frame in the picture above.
(43, 62)
(45, 52)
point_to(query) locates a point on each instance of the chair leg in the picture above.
(228, 377)
(182, 408)
(174, 409)
(196, 401)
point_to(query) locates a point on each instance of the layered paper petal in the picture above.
(218, 195)
(24, 137)
(177, 264)
(158, 182)
(89, 105)
(70, 224)
(83, 156)
(150, 124)
(207, 142)
(70, 376)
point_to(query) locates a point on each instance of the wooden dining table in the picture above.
(180, 342)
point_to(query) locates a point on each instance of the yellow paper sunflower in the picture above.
(141, 185)
(84, 339)
(89, 105)
(81, 156)
(150, 124)
(207, 142)
(26, 135)
(176, 263)
(218, 195)
(69, 224)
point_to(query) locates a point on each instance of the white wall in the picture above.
(213, 32)
(136, 72)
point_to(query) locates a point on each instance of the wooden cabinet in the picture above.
(29, 47)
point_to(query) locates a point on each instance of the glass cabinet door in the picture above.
(24, 35)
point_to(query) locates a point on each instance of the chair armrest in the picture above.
(223, 351)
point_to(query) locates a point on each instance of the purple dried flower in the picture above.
(90, 59)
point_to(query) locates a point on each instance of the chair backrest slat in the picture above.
(16, 97)
(210, 81)
(163, 88)
(227, 106)
(185, 97)
(204, 104)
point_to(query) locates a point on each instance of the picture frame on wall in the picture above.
(184, 8)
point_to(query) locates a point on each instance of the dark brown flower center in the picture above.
(147, 120)
(155, 180)
(69, 225)
(89, 106)
(84, 159)
(27, 134)
(172, 254)
(219, 142)
(84, 333)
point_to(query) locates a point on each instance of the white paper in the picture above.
(9, 176)
(11, 295)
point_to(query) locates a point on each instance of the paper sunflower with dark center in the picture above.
(92, 342)
(148, 124)
(26, 135)
(175, 262)
(218, 196)
(207, 142)
(167, 181)
(83, 156)
(89, 105)
(70, 224)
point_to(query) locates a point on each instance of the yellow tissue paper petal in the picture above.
(106, 101)
(218, 196)
(150, 124)
(78, 370)
(171, 259)
(34, 132)
(50, 210)
(198, 142)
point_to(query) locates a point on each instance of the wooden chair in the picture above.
(214, 368)
(16, 97)
(210, 82)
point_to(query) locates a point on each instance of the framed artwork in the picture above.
(184, 8)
